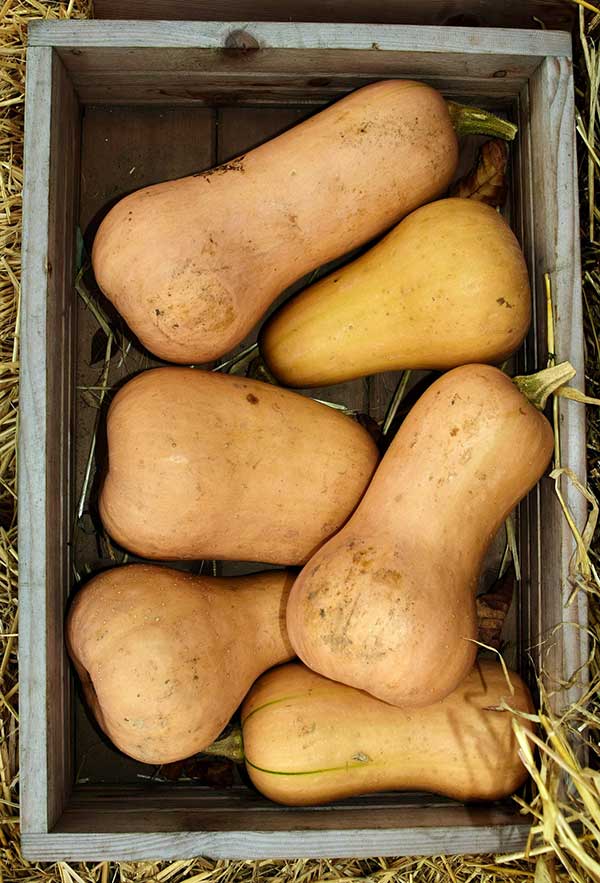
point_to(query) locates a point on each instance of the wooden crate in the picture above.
(112, 106)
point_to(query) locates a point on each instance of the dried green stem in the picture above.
(538, 387)
(239, 362)
(231, 746)
(474, 121)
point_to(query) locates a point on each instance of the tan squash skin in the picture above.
(204, 465)
(297, 721)
(193, 264)
(446, 287)
(388, 604)
(166, 657)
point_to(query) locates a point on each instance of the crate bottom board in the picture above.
(124, 149)
(146, 825)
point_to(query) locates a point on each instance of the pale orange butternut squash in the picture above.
(388, 604)
(193, 264)
(165, 657)
(309, 740)
(206, 465)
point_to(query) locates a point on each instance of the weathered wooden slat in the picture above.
(197, 89)
(31, 453)
(509, 14)
(46, 427)
(451, 41)
(556, 243)
(249, 845)
(198, 94)
(278, 63)
(123, 831)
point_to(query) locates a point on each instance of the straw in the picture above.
(563, 843)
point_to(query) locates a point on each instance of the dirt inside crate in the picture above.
(123, 149)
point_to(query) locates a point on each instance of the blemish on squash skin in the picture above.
(235, 165)
(252, 398)
(388, 576)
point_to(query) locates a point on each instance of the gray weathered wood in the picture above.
(47, 388)
(254, 88)
(210, 62)
(489, 13)
(277, 844)
(556, 245)
(31, 452)
(509, 42)
(526, 362)
(176, 823)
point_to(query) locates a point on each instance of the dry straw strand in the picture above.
(564, 838)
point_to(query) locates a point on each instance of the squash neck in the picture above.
(263, 619)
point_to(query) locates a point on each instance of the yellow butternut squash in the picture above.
(446, 287)
(309, 740)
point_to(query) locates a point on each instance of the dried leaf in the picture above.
(492, 608)
(214, 772)
(487, 179)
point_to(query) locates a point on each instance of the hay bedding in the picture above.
(565, 837)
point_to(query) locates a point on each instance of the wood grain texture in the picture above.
(60, 430)
(198, 89)
(527, 522)
(247, 845)
(509, 42)
(222, 62)
(46, 427)
(177, 824)
(556, 244)
(510, 13)
(31, 450)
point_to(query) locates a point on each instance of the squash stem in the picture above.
(474, 121)
(231, 746)
(538, 387)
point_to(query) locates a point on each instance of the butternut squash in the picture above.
(388, 604)
(165, 657)
(204, 465)
(193, 264)
(309, 740)
(446, 287)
